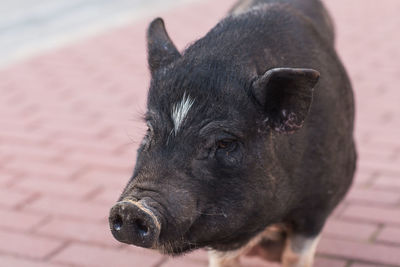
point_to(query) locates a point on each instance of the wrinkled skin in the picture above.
(263, 141)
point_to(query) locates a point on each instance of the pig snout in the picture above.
(134, 223)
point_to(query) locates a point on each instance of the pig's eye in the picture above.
(226, 144)
(228, 152)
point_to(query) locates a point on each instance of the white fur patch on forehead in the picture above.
(180, 111)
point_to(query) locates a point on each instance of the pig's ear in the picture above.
(286, 95)
(161, 50)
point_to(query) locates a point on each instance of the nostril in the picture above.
(133, 223)
(117, 223)
(141, 227)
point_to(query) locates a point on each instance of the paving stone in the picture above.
(255, 261)
(373, 196)
(68, 189)
(6, 178)
(12, 199)
(390, 215)
(44, 169)
(183, 262)
(27, 245)
(356, 264)
(12, 261)
(114, 179)
(389, 183)
(390, 235)
(86, 255)
(63, 208)
(78, 231)
(326, 262)
(108, 196)
(374, 253)
(349, 230)
(17, 220)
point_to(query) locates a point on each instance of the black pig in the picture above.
(249, 145)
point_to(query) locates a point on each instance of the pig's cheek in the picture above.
(230, 159)
(203, 154)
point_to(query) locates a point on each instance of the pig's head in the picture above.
(207, 173)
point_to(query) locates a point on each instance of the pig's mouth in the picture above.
(175, 248)
(174, 242)
(198, 237)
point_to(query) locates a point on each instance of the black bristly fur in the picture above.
(252, 150)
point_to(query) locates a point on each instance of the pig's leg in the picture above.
(270, 246)
(299, 250)
(224, 259)
(231, 258)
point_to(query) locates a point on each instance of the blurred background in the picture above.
(28, 27)
(73, 82)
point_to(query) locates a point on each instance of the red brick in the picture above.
(27, 245)
(387, 167)
(373, 196)
(374, 253)
(325, 262)
(384, 141)
(389, 234)
(54, 187)
(44, 169)
(11, 127)
(128, 148)
(11, 261)
(368, 153)
(75, 133)
(107, 178)
(256, 262)
(369, 156)
(93, 146)
(79, 231)
(85, 255)
(364, 265)
(68, 208)
(387, 183)
(338, 210)
(363, 178)
(19, 220)
(99, 161)
(67, 119)
(107, 196)
(12, 199)
(349, 230)
(6, 179)
(21, 137)
(183, 262)
(373, 214)
(22, 153)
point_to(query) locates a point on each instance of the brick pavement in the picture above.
(70, 125)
